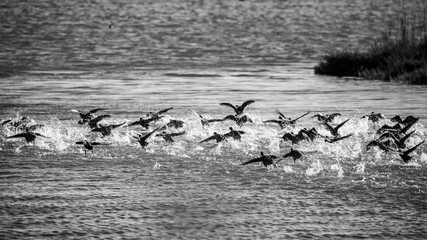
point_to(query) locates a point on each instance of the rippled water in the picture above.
(132, 57)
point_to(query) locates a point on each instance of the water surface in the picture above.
(132, 57)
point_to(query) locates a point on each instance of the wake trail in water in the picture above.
(350, 154)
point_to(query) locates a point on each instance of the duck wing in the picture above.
(96, 110)
(163, 111)
(258, 159)
(245, 104)
(300, 116)
(38, 134)
(18, 135)
(208, 139)
(229, 105)
(341, 124)
(281, 114)
(413, 148)
(145, 137)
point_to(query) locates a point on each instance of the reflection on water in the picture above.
(132, 57)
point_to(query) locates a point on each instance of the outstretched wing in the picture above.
(208, 139)
(6, 121)
(200, 116)
(117, 125)
(281, 114)
(301, 116)
(38, 134)
(80, 142)
(98, 143)
(96, 110)
(228, 105)
(163, 111)
(413, 148)
(151, 133)
(258, 159)
(245, 104)
(18, 135)
(341, 124)
(177, 134)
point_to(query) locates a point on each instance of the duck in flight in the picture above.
(290, 121)
(374, 117)
(326, 118)
(238, 109)
(205, 121)
(216, 136)
(236, 135)
(106, 130)
(168, 136)
(409, 119)
(405, 154)
(88, 145)
(336, 139)
(294, 154)
(334, 130)
(93, 123)
(239, 119)
(266, 160)
(87, 116)
(295, 138)
(158, 114)
(29, 135)
(145, 122)
(175, 123)
(143, 139)
(385, 145)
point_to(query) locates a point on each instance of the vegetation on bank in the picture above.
(401, 59)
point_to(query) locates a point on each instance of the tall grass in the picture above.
(401, 58)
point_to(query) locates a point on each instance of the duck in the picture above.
(87, 115)
(295, 138)
(93, 123)
(145, 122)
(88, 145)
(405, 154)
(386, 145)
(236, 135)
(238, 109)
(289, 121)
(168, 136)
(106, 130)
(239, 119)
(266, 160)
(143, 139)
(334, 130)
(294, 154)
(205, 121)
(29, 135)
(336, 139)
(175, 123)
(216, 136)
(374, 117)
(326, 118)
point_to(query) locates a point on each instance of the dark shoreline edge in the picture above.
(390, 60)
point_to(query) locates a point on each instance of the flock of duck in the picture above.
(388, 137)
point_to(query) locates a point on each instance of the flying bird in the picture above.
(28, 135)
(143, 139)
(266, 160)
(89, 145)
(238, 109)
(216, 136)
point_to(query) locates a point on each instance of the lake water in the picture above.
(132, 57)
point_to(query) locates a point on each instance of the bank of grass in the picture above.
(400, 59)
